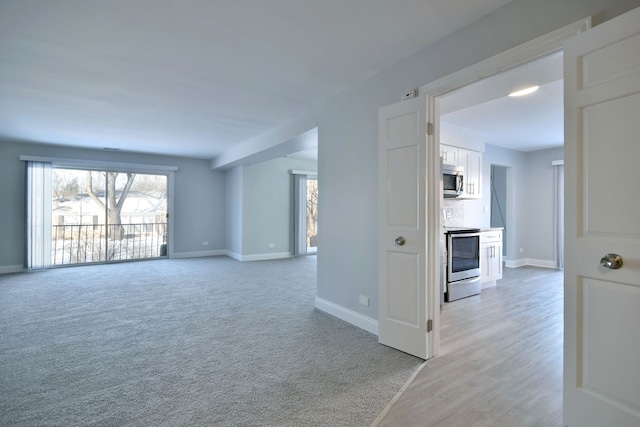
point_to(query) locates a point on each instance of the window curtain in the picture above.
(559, 214)
(300, 214)
(38, 224)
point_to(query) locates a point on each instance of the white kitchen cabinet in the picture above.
(449, 154)
(490, 257)
(471, 161)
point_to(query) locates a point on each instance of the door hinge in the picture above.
(429, 325)
(429, 128)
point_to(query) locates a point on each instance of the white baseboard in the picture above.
(544, 263)
(490, 284)
(198, 254)
(233, 255)
(515, 263)
(258, 257)
(267, 256)
(349, 316)
(6, 269)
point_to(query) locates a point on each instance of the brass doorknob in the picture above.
(612, 261)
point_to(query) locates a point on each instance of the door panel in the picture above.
(402, 159)
(402, 166)
(602, 306)
(607, 306)
(610, 62)
(407, 267)
(604, 144)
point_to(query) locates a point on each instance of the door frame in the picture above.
(538, 47)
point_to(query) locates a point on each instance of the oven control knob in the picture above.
(612, 261)
(400, 241)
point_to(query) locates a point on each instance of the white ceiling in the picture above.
(527, 123)
(196, 77)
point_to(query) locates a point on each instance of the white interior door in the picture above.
(402, 156)
(602, 150)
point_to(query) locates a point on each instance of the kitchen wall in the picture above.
(458, 212)
(473, 213)
(498, 184)
(539, 237)
(530, 204)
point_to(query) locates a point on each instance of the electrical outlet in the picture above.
(521, 250)
(363, 300)
(205, 243)
(272, 245)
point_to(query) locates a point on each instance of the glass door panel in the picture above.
(137, 216)
(312, 215)
(100, 216)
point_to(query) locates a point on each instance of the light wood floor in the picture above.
(500, 362)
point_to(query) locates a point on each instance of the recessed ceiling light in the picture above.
(525, 91)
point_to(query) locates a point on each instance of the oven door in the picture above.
(464, 256)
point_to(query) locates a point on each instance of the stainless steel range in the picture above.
(462, 263)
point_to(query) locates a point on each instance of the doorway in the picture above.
(499, 202)
(435, 91)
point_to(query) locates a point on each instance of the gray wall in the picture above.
(530, 206)
(233, 210)
(241, 210)
(540, 204)
(268, 206)
(517, 176)
(348, 136)
(499, 206)
(198, 200)
(530, 198)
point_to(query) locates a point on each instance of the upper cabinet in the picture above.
(471, 161)
(449, 155)
(463, 147)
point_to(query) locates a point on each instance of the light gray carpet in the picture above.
(195, 342)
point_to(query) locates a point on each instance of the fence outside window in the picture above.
(82, 243)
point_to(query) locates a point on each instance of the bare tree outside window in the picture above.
(115, 203)
(107, 216)
(65, 186)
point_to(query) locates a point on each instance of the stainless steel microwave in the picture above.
(452, 180)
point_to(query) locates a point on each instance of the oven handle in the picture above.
(454, 235)
(463, 281)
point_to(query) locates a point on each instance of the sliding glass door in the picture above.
(101, 216)
(306, 212)
(311, 237)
